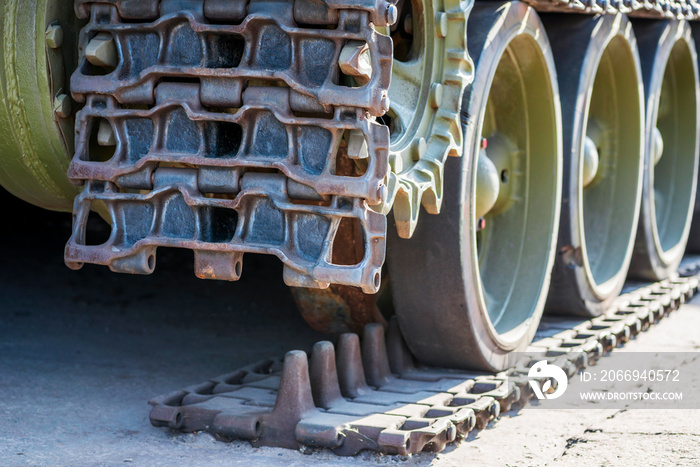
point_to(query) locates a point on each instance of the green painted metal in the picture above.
(669, 64)
(430, 71)
(469, 294)
(609, 219)
(35, 143)
(602, 121)
(674, 176)
(515, 246)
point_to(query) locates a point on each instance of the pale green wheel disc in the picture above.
(471, 298)
(36, 144)
(603, 129)
(669, 65)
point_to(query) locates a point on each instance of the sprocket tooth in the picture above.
(431, 198)
(406, 209)
(430, 201)
(422, 182)
(454, 133)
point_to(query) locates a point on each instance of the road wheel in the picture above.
(603, 129)
(670, 71)
(469, 287)
(39, 51)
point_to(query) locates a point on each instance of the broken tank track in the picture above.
(373, 396)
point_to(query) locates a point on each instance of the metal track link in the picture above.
(670, 9)
(373, 396)
(224, 127)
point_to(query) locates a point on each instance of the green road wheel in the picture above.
(469, 287)
(39, 51)
(670, 73)
(694, 237)
(603, 133)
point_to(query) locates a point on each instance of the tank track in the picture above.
(374, 396)
(221, 144)
(669, 9)
(229, 146)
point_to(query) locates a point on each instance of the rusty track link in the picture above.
(223, 126)
(218, 126)
(374, 396)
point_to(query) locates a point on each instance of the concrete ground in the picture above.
(81, 353)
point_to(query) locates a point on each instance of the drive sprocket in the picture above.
(431, 69)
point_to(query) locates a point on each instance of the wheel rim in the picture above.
(674, 172)
(519, 137)
(609, 203)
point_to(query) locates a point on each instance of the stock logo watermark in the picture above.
(623, 380)
(541, 370)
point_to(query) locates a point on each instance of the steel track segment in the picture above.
(219, 127)
(149, 65)
(374, 396)
(655, 9)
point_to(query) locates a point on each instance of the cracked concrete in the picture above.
(81, 353)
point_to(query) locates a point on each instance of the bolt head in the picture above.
(383, 193)
(441, 25)
(54, 36)
(591, 160)
(102, 51)
(392, 14)
(487, 185)
(385, 103)
(62, 106)
(451, 433)
(355, 61)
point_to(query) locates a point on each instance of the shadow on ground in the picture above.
(81, 352)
